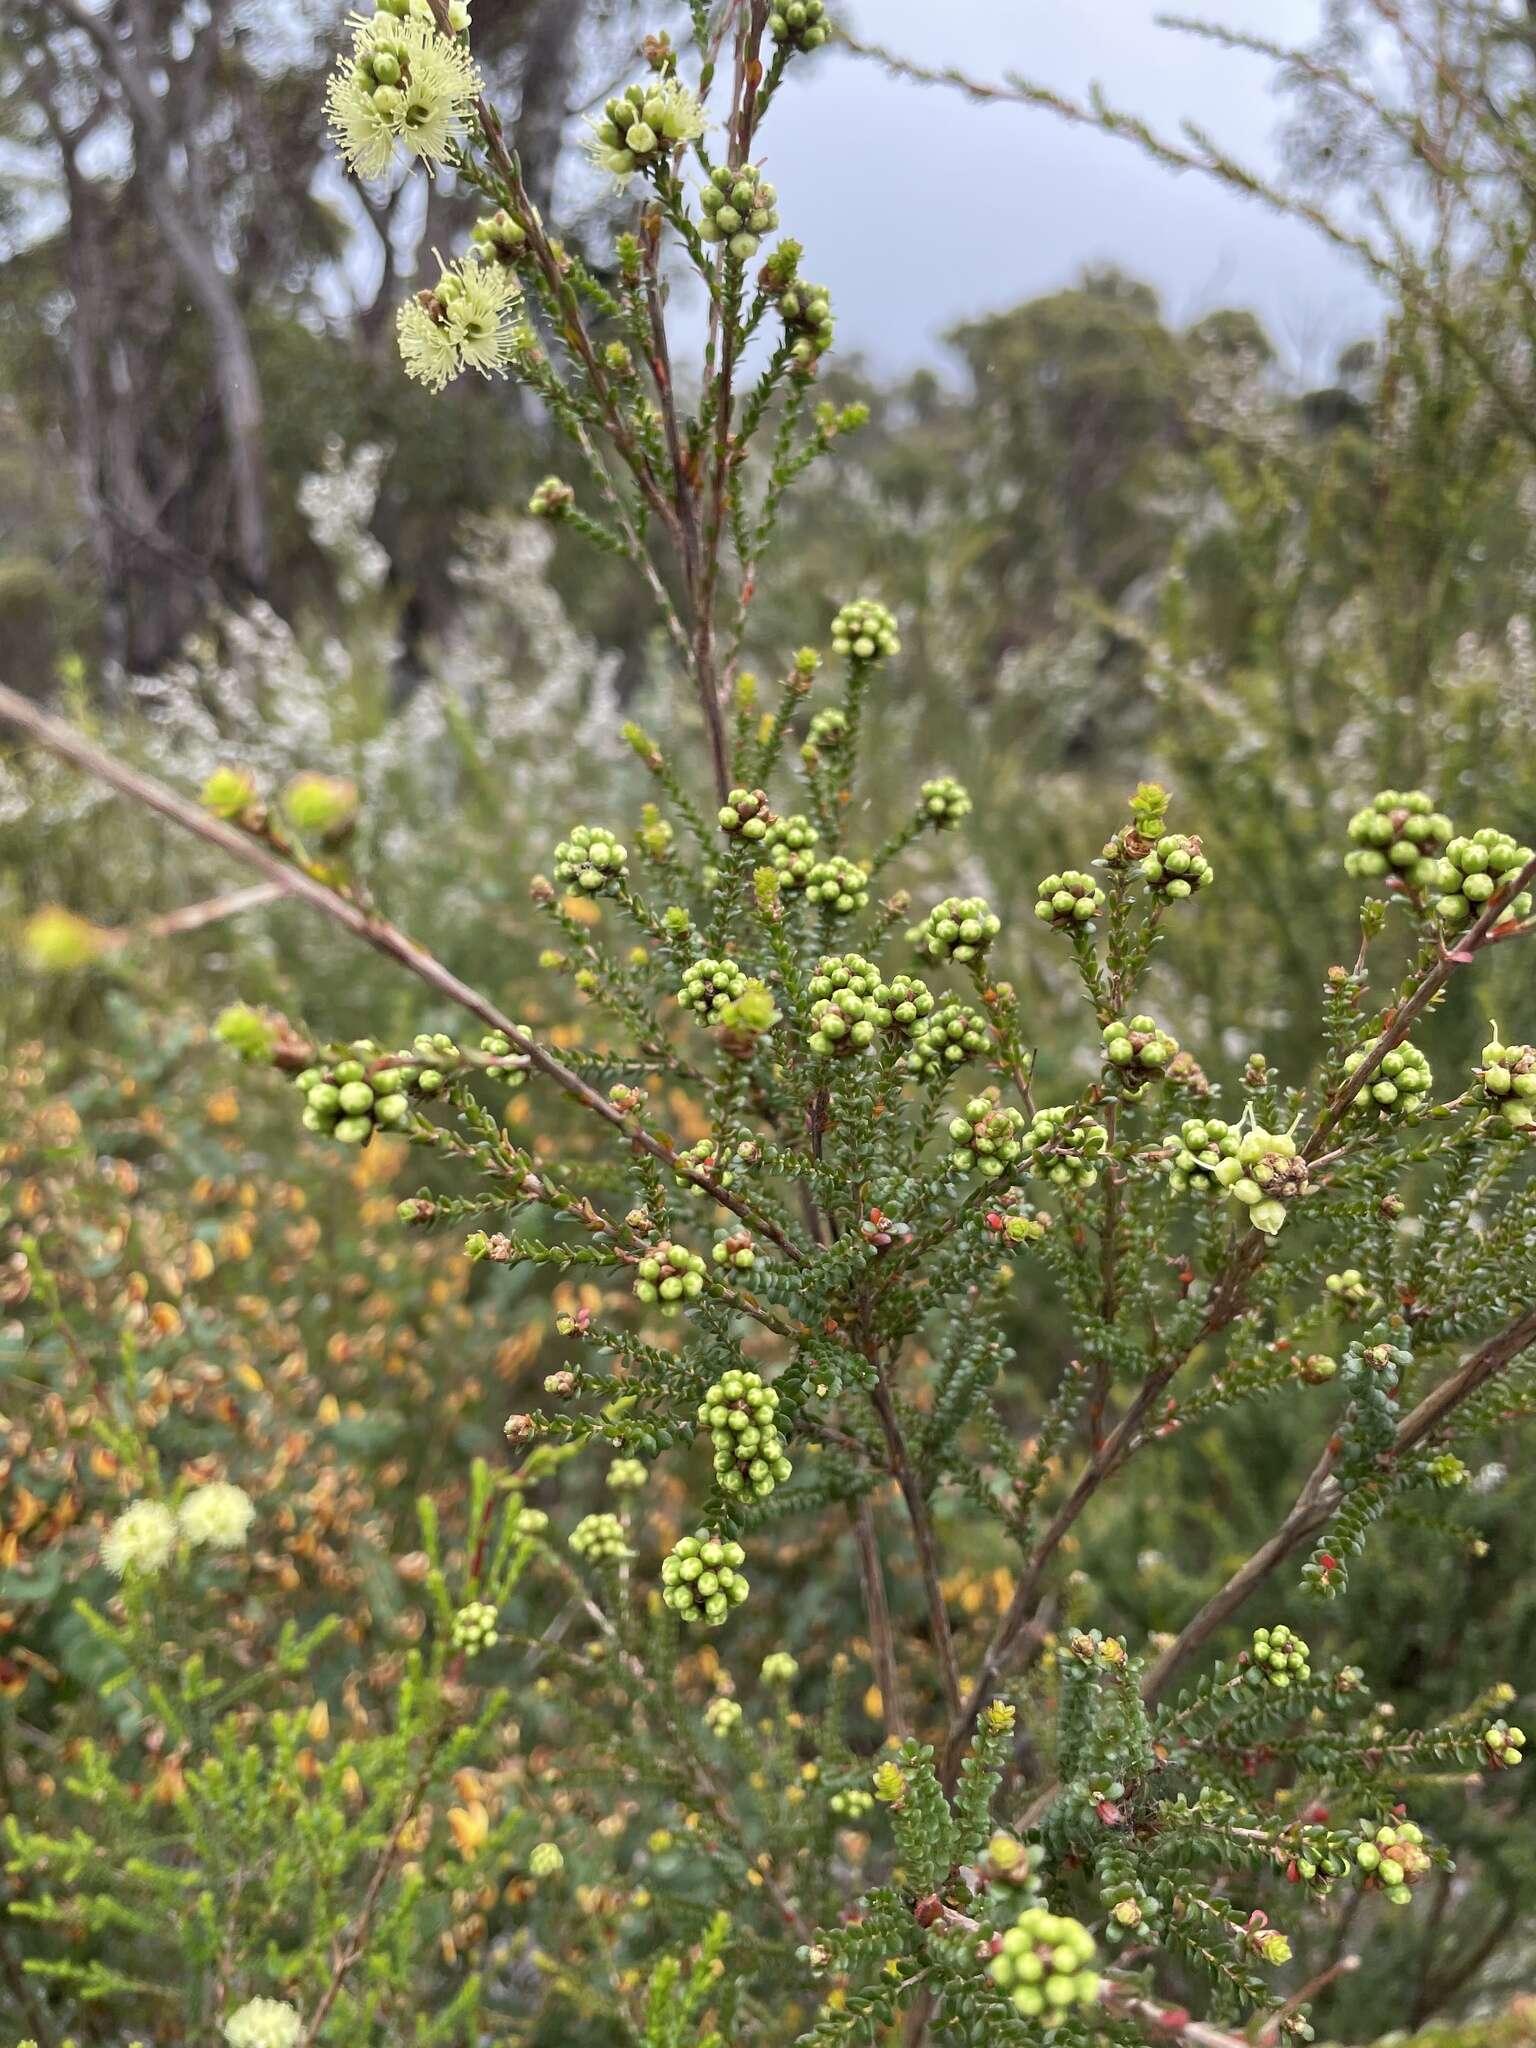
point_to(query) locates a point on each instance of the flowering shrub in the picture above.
(793, 1176)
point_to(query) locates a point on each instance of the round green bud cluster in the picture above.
(839, 885)
(1279, 1656)
(827, 731)
(350, 1099)
(1199, 1148)
(960, 928)
(779, 1668)
(1265, 1173)
(245, 1031)
(545, 1859)
(600, 1539)
(1317, 1368)
(803, 24)
(701, 1578)
(1398, 1086)
(806, 310)
(1348, 1287)
(849, 1005)
(626, 1475)
(591, 860)
(1068, 899)
(1065, 1147)
(738, 1412)
(790, 846)
(669, 1275)
(1176, 867)
(1399, 832)
(746, 812)
(474, 1628)
(1045, 1964)
(722, 1715)
(1475, 871)
(739, 208)
(1394, 1859)
(945, 802)
(864, 631)
(988, 1139)
(735, 1250)
(497, 237)
(1505, 1745)
(643, 124)
(1508, 1075)
(1138, 1050)
(551, 499)
(852, 1803)
(953, 1034)
(710, 986)
(705, 1156)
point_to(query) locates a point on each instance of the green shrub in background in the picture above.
(837, 1185)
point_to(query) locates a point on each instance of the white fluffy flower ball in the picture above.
(142, 1539)
(218, 1515)
(263, 2023)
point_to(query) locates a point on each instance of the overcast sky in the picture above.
(921, 208)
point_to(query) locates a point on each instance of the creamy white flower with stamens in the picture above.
(404, 86)
(217, 1516)
(263, 2023)
(460, 324)
(142, 1539)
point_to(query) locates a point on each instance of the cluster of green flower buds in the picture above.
(960, 928)
(545, 1859)
(701, 1578)
(710, 986)
(1265, 1172)
(722, 1714)
(738, 1411)
(863, 630)
(945, 802)
(1474, 872)
(591, 860)
(827, 733)
(1348, 1288)
(747, 813)
(705, 1156)
(1398, 1086)
(1508, 1075)
(839, 885)
(736, 1250)
(1176, 867)
(1505, 1746)
(600, 1539)
(1394, 1859)
(669, 1275)
(1045, 1964)
(641, 126)
(351, 1098)
(945, 1040)
(802, 24)
(804, 308)
(988, 1138)
(551, 498)
(1138, 1050)
(1278, 1657)
(790, 845)
(1068, 899)
(497, 237)
(1065, 1147)
(850, 1004)
(852, 1803)
(474, 1628)
(1194, 1155)
(626, 1475)
(739, 208)
(779, 1668)
(1399, 832)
